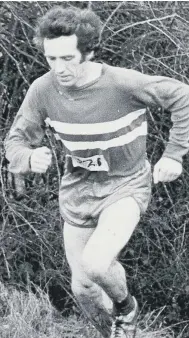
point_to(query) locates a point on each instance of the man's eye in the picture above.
(68, 58)
(51, 58)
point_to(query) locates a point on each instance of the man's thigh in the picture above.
(75, 240)
(116, 225)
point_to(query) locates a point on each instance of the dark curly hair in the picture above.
(58, 21)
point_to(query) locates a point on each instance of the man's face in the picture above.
(65, 59)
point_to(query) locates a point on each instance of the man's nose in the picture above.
(60, 66)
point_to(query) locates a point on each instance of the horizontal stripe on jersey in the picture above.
(115, 142)
(99, 128)
(97, 136)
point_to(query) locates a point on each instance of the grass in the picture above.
(29, 315)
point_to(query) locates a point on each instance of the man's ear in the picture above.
(89, 56)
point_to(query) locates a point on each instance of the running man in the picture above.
(99, 113)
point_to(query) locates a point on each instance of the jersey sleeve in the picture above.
(26, 132)
(173, 96)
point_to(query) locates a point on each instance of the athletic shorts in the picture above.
(83, 197)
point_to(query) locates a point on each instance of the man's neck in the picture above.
(91, 72)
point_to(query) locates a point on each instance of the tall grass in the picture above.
(29, 315)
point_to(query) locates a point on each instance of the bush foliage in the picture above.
(151, 37)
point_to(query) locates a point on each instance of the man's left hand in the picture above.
(166, 170)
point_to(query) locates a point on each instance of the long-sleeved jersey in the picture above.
(102, 124)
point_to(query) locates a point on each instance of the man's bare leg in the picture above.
(92, 257)
(115, 227)
(91, 298)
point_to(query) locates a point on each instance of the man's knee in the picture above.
(109, 238)
(95, 267)
(82, 288)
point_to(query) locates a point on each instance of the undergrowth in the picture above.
(29, 315)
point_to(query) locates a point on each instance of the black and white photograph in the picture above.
(94, 169)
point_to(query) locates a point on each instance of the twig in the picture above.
(142, 23)
(9, 7)
(183, 236)
(11, 208)
(26, 54)
(17, 64)
(89, 5)
(6, 263)
(109, 18)
(165, 66)
(54, 154)
(164, 33)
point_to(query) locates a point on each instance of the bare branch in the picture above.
(142, 23)
(16, 63)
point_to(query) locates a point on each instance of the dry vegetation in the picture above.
(25, 315)
(151, 37)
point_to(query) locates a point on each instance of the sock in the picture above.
(125, 306)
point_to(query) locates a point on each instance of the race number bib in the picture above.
(93, 163)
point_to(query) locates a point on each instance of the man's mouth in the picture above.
(64, 78)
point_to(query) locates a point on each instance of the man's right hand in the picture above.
(40, 160)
